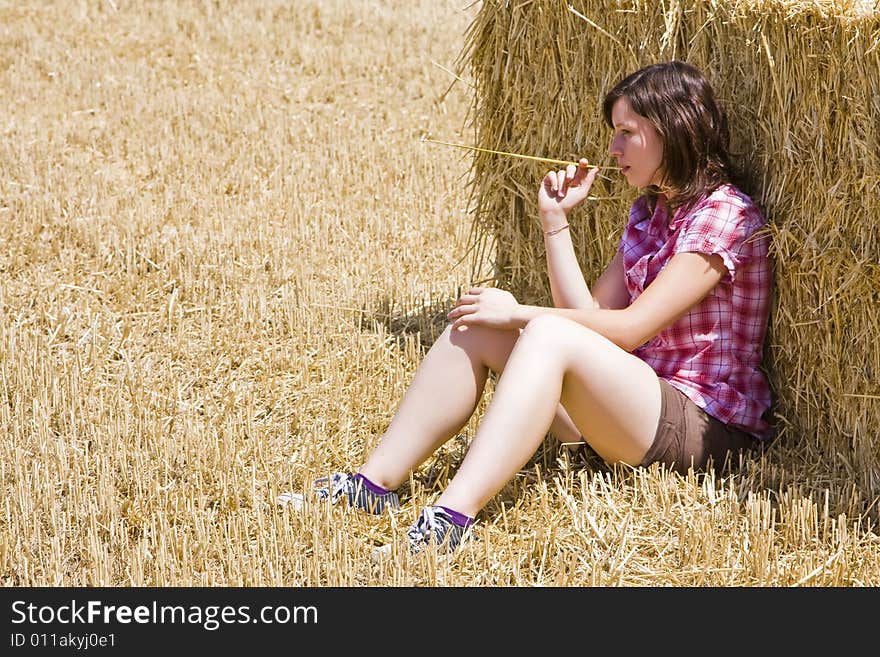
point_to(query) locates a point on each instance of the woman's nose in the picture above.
(614, 148)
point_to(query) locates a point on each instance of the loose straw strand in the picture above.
(525, 157)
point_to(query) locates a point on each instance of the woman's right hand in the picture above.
(564, 189)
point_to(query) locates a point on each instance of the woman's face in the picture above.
(637, 146)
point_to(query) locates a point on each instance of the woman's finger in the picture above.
(456, 312)
(465, 319)
(585, 172)
(591, 175)
(462, 311)
(476, 290)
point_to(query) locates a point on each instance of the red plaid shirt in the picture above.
(713, 353)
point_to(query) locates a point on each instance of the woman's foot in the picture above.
(360, 492)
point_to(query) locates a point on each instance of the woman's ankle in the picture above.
(371, 485)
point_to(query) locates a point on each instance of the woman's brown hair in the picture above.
(680, 103)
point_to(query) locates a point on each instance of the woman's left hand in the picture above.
(485, 306)
(565, 189)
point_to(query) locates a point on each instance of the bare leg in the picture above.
(564, 429)
(612, 396)
(441, 399)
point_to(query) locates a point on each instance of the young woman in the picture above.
(658, 361)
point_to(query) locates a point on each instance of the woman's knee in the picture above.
(563, 339)
(552, 329)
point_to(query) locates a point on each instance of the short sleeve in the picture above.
(721, 225)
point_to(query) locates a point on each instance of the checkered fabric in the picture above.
(713, 353)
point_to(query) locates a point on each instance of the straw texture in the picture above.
(801, 84)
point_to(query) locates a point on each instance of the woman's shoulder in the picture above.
(731, 194)
(729, 202)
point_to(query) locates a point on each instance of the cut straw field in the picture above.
(224, 251)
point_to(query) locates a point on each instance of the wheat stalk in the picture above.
(549, 160)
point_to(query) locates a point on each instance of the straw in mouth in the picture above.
(525, 157)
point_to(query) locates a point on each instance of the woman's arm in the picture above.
(567, 284)
(559, 193)
(682, 284)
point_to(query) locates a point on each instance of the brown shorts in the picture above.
(687, 435)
